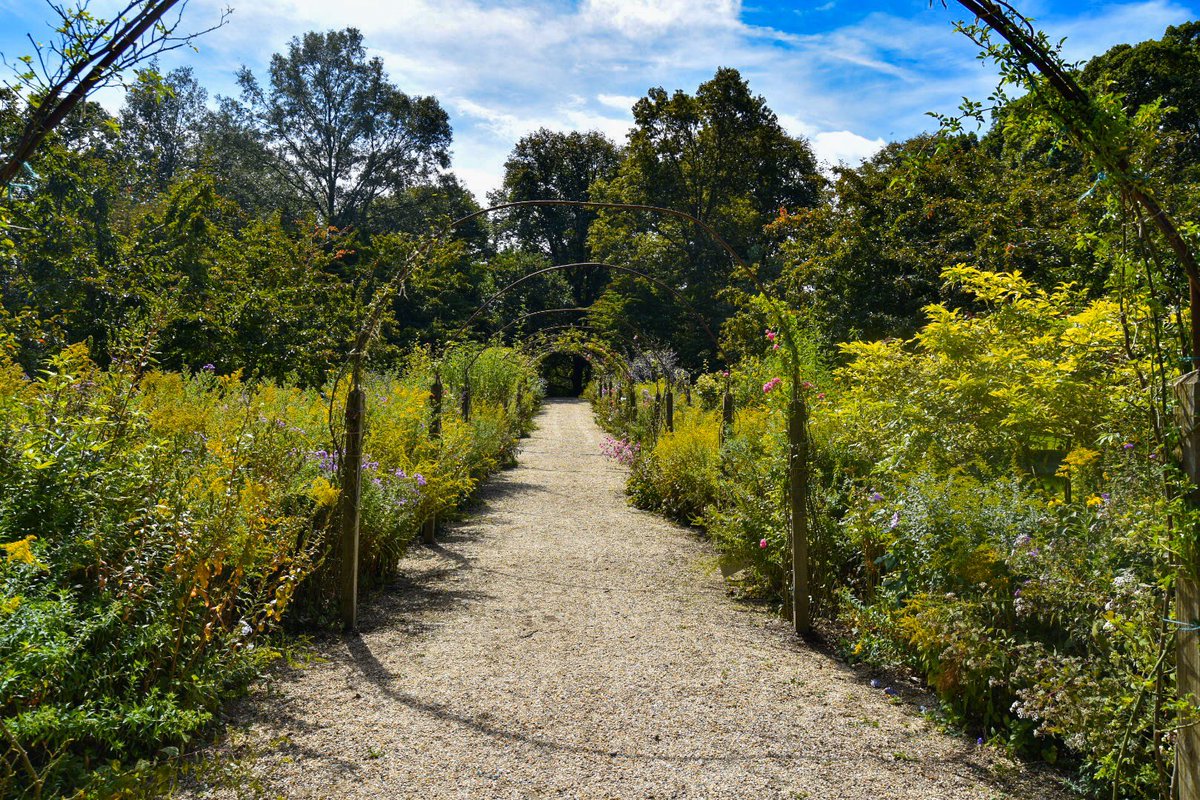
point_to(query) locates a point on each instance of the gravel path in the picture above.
(561, 644)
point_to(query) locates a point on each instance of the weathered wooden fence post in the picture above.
(726, 416)
(631, 401)
(429, 528)
(798, 499)
(351, 480)
(1187, 597)
(669, 405)
(656, 409)
(466, 400)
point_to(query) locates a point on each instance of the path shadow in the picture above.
(379, 676)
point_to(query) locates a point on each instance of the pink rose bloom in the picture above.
(762, 544)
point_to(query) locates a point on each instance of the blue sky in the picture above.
(847, 75)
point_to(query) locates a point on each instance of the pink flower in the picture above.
(762, 544)
(770, 336)
(775, 346)
(807, 385)
(771, 384)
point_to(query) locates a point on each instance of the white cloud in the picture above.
(645, 18)
(844, 147)
(503, 69)
(622, 102)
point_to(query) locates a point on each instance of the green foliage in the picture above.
(988, 510)
(155, 525)
(341, 132)
(546, 165)
(721, 156)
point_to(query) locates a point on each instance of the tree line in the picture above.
(247, 231)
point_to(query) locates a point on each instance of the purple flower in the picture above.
(1127, 446)
(399, 473)
(1023, 540)
(377, 481)
(895, 520)
(327, 461)
(1105, 496)
(420, 479)
(209, 368)
(979, 741)
(890, 692)
(875, 684)
(876, 497)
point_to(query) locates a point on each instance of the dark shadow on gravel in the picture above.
(379, 676)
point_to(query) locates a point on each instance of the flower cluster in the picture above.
(771, 384)
(620, 450)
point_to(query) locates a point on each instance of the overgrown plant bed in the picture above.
(996, 523)
(156, 525)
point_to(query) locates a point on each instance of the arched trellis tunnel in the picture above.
(798, 472)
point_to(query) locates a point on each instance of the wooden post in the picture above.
(726, 416)
(351, 469)
(798, 501)
(435, 402)
(631, 400)
(656, 419)
(1187, 598)
(466, 402)
(429, 529)
(670, 408)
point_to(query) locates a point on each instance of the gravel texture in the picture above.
(561, 644)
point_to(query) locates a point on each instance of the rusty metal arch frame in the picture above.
(487, 303)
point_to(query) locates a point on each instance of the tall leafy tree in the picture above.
(1165, 70)
(342, 133)
(551, 165)
(161, 122)
(720, 155)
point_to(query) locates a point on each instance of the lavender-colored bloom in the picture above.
(377, 481)
(1105, 496)
(979, 741)
(876, 497)
(1023, 540)
(420, 479)
(326, 461)
(890, 692)
(895, 520)
(209, 368)
(1127, 446)
(399, 473)
(875, 684)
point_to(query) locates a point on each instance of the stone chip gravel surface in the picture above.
(559, 644)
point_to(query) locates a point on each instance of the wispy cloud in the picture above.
(848, 76)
